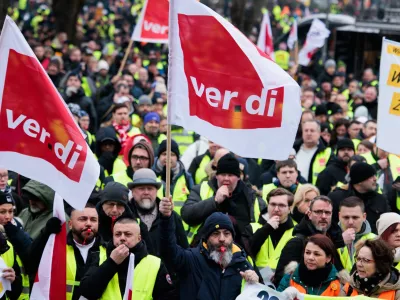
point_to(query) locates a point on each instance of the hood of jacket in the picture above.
(147, 146)
(41, 191)
(107, 132)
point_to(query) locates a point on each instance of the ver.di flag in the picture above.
(389, 98)
(130, 278)
(265, 40)
(50, 279)
(315, 39)
(228, 89)
(152, 26)
(292, 39)
(39, 137)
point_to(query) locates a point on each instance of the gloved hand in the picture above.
(10, 228)
(291, 293)
(290, 267)
(344, 276)
(53, 225)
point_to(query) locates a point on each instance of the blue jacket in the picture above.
(200, 277)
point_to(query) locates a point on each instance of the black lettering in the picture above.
(263, 295)
(396, 76)
(397, 107)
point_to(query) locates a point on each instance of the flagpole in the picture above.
(296, 53)
(123, 63)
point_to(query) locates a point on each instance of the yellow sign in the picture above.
(395, 105)
(393, 50)
(394, 76)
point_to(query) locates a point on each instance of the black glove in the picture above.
(53, 225)
(3, 244)
(10, 228)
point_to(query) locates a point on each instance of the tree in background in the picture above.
(66, 16)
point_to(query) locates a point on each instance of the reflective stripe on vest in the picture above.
(25, 281)
(201, 171)
(319, 163)
(344, 255)
(145, 276)
(71, 269)
(332, 290)
(389, 295)
(184, 138)
(268, 255)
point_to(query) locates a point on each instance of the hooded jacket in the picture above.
(107, 159)
(35, 222)
(390, 283)
(96, 279)
(200, 277)
(375, 203)
(335, 172)
(293, 251)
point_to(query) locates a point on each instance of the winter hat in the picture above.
(144, 176)
(335, 109)
(244, 166)
(361, 111)
(386, 220)
(144, 99)
(216, 221)
(115, 191)
(102, 65)
(151, 116)
(75, 109)
(74, 74)
(330, 63)
(361, 171)
(321, 110)
(326, 127)
(6, 198)
(228, 164)
(163, 147)
(345, 143)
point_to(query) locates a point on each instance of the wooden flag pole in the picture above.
(168, 166)
(296, 53)
(123, 63)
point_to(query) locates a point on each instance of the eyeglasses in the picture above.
(279, 206)
(321, 212)
(3, 176)
(136, 157)
(363, 260)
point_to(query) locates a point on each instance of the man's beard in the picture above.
(146, 205)
(34, 209)
(322, 229)
(80, 238)
(220, 258)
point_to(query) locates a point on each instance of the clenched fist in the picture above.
(166, 207)
(119, 254)
(222, 194)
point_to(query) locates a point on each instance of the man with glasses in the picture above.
(273, 230)
(317, 220)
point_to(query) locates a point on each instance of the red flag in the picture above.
(39, 137)
(227, 89)
(265, 40)
(152, 25)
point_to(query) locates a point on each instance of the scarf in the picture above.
(314, 278)
(368, 285)
(122, 130)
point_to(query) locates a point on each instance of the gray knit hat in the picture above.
(330, 63)
(144, 176)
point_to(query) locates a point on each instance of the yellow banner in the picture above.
(395, 105)
(391, 49)
(394, 76)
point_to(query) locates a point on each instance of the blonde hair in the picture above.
(301, 192)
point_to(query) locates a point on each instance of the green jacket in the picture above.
(285, 282)
(34, 223)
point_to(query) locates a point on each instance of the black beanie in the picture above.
(163, 147)
(228, 164)
(345, 143)
(361, 171)
(216, 221)
(6, 198)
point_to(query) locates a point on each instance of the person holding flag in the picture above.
(108, 279)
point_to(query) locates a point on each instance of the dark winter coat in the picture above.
(200, 277)
(96, 279)
(375, 203)
(335, 172)
(107, 159)
(293, 251)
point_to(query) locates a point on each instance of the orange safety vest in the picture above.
(389, 295)
(333, 289)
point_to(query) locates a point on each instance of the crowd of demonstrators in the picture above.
(325, 221)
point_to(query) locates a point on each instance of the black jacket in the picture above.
(321, 147)
(106, 224)
(107, 159)
(335, 172)
(200, 277)
(85, 104)
(240, 207)
(375, 203)
(36, 251)
(154, 231)
(103, 108)
(293, 251)
(96, 279)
